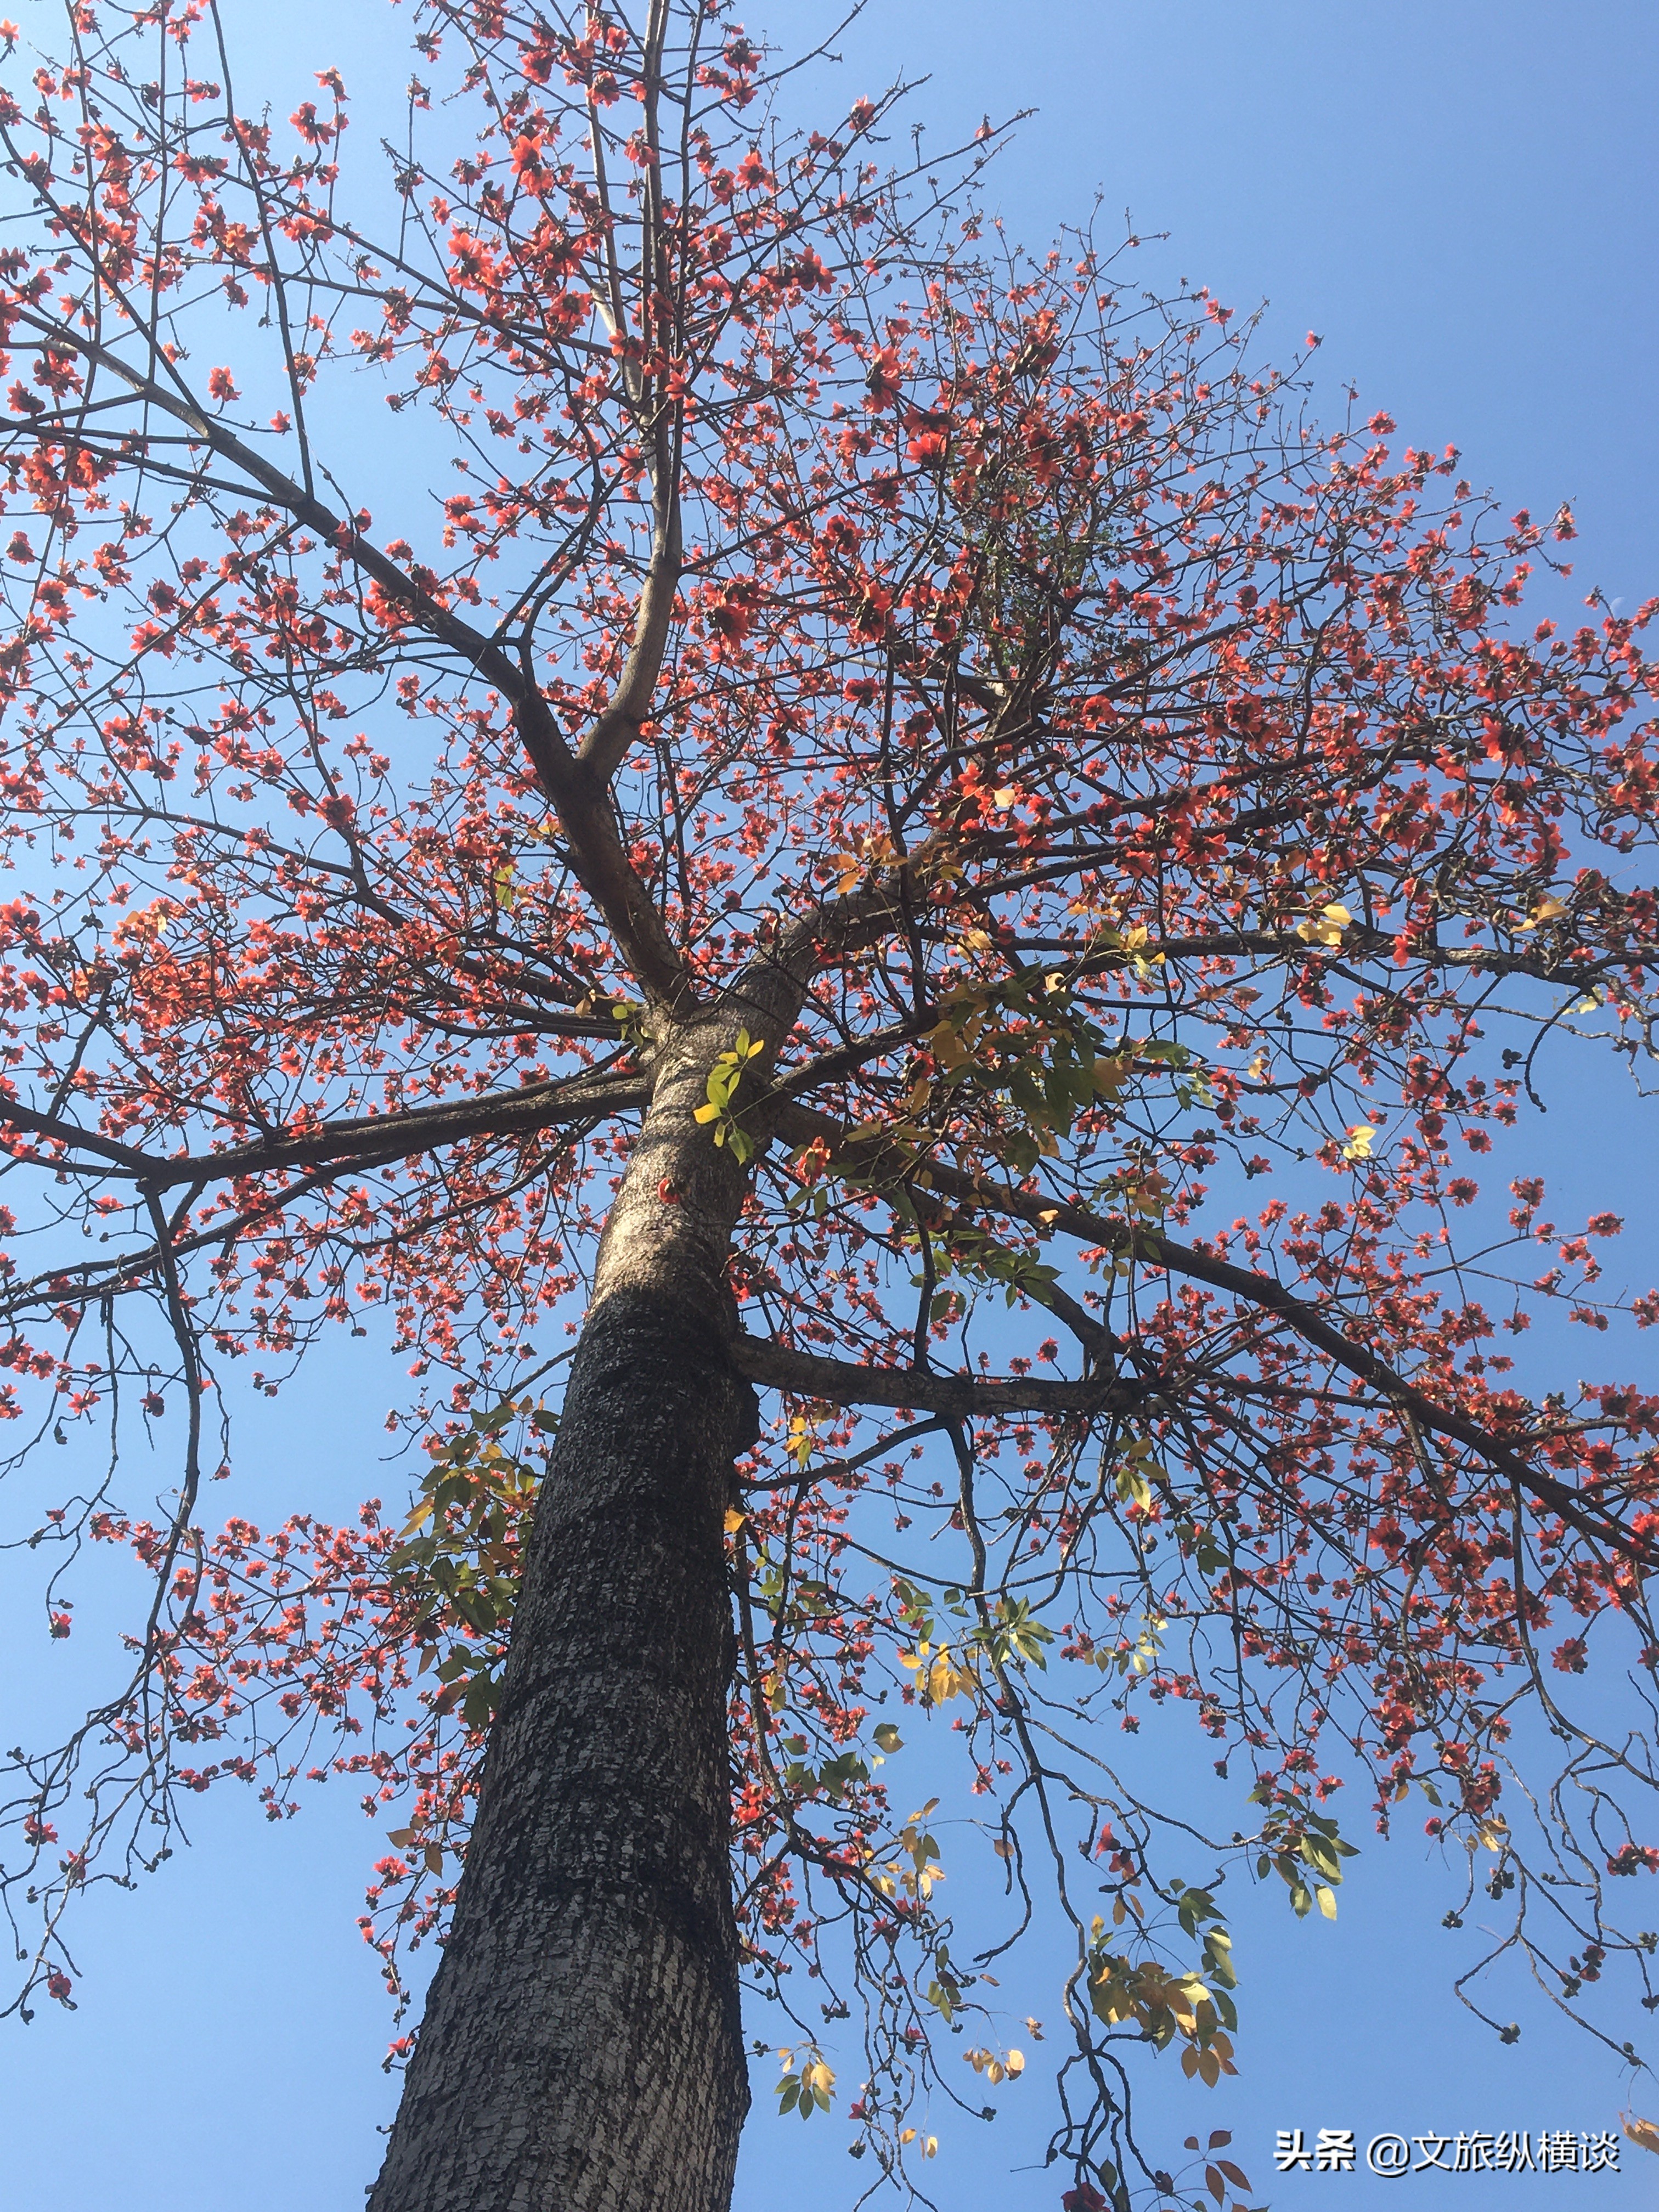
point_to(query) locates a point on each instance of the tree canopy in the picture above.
(912, 780)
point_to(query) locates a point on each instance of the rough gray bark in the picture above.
(581, 2048)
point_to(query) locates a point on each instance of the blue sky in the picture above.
(1460, 198)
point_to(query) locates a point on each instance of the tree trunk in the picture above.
(582, 2050)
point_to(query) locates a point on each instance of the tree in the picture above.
(874, 768)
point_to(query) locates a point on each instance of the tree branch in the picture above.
(369, 1138)
(577, 794)
(1152, 1248)
(960, 1397)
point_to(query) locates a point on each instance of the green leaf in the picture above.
(1218, 1958)
(1132, 1486)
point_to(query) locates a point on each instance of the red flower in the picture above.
(527, 164)
(310, 126)
(930, 437)
(884, 380)
(732, 612)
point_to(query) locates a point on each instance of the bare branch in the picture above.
(369, 1138)
(958, 1397)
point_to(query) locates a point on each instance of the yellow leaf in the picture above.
(802, 1439)
(907, 2135)
(1358, 1146)
(946, 1680)
(706, 1114)
(947, 1048)
(734, 1520)
(1109, 1076)
(1326, 925)
(1326, 1900)
(930, 2149)
(1014, 2064)
(1006, 796)
(850, 870)
(1547, 910)
(1644, 2132)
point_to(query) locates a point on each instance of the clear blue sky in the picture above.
(1461, 198)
